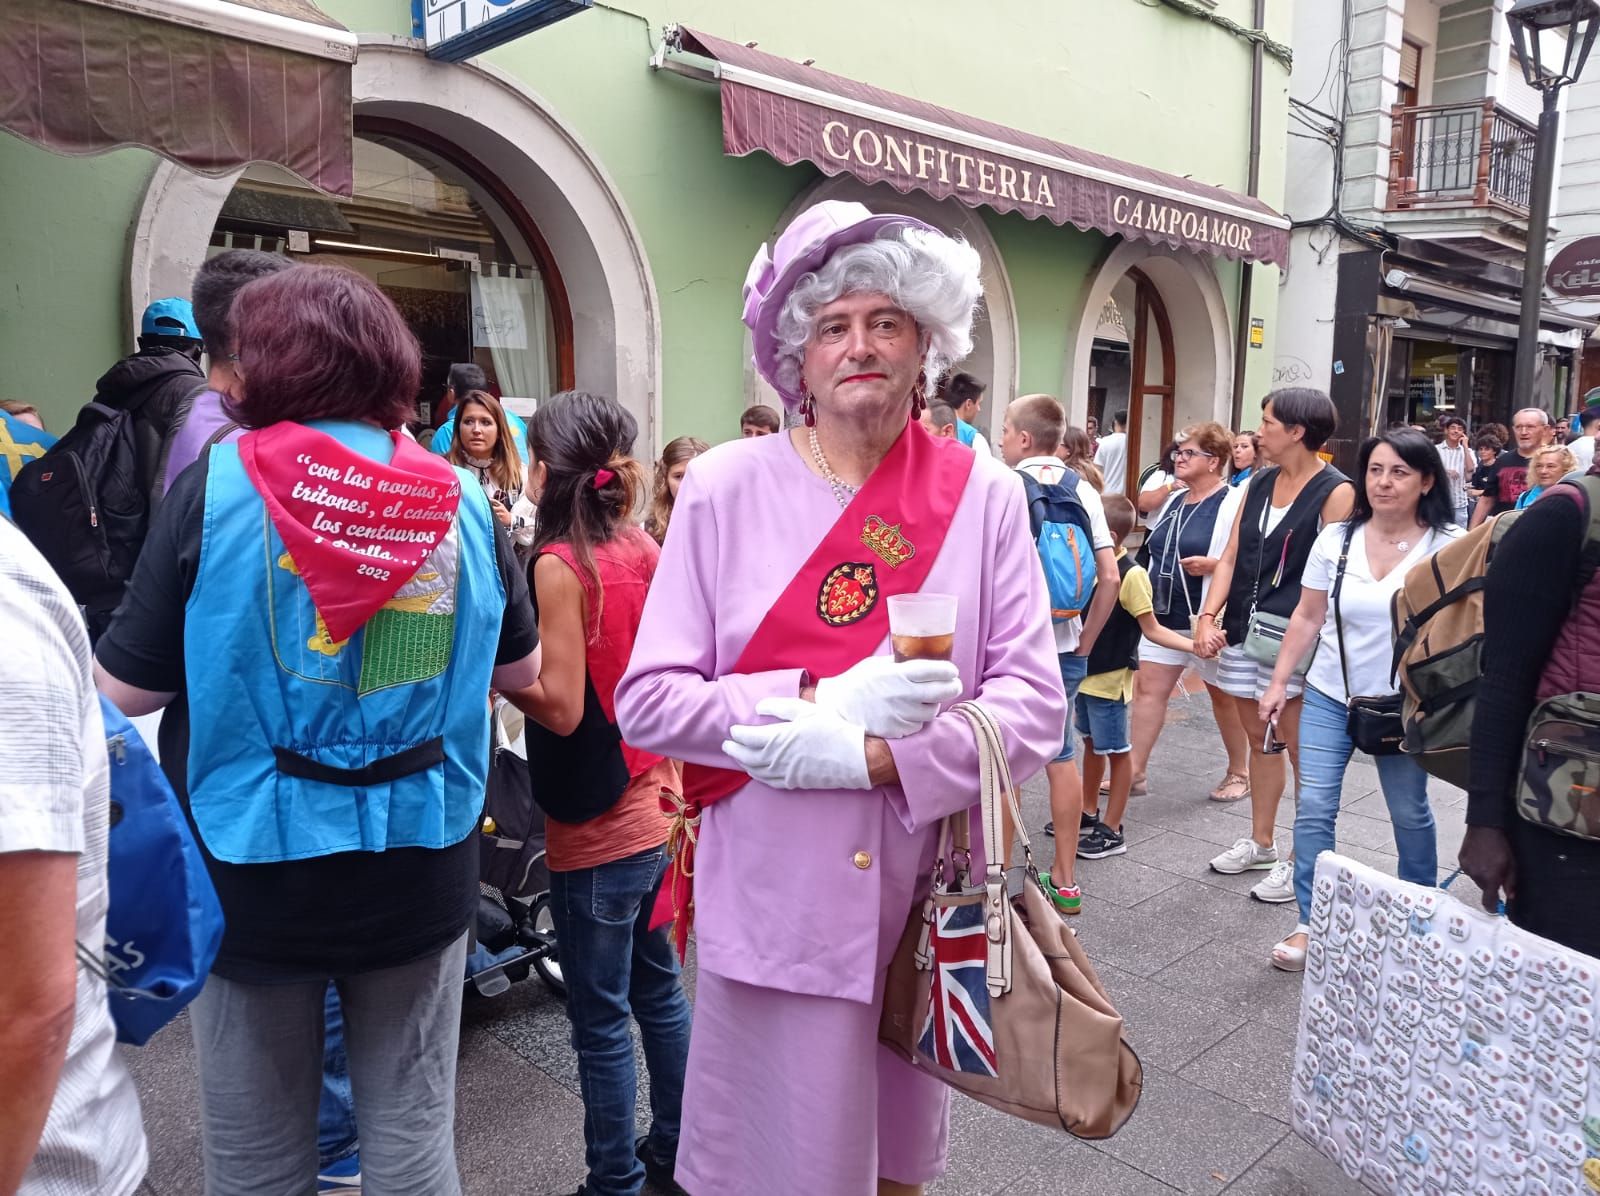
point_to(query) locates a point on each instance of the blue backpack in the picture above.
(1061, 529)
(164, 923)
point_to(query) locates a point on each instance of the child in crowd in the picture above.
(670, 469)
(759, 420)
(1029, 442)
(1104, 698)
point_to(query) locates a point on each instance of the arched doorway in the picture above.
(994, 333)
(1153, 328)
(455, 120)
(455, 250)
(1135, 372)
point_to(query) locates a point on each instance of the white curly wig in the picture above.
(931, 276)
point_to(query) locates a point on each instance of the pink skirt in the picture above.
(791, 1095)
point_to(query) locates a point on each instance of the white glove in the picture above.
(890, 700)
(814, 748)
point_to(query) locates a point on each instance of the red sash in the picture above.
(356, 529)
(831, 615)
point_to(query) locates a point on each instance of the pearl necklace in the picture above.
(843, 491)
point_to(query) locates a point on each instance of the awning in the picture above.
(211, 84)
(799, 113)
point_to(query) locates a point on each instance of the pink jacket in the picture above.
(807, 891)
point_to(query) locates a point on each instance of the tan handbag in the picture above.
(991, 992)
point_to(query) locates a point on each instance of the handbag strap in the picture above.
(1338, 623)
(996, 794)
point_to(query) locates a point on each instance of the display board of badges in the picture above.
(1442, 1050)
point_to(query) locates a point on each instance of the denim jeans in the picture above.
(615, 967)
(259, 1053)
(336, 1112)
(1324, 753)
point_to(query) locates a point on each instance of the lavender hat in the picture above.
(804, 246)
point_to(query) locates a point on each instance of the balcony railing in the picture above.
(1460, 154)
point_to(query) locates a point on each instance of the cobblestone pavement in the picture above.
(1182, 951)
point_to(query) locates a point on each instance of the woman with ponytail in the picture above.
(605, 834)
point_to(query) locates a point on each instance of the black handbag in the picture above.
(1372, 722)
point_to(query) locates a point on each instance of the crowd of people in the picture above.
(328, 595)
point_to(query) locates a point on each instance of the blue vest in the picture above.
(965, 432)
(300, 747)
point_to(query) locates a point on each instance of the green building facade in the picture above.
(561, 208)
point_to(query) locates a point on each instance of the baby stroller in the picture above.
(515, 931)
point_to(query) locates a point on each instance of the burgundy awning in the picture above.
(799, 113)
(211, 84)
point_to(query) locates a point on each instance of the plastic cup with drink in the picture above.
(922, 626)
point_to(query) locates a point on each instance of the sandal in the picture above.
(1288, 958)
(1137, 789)
(1234, 787)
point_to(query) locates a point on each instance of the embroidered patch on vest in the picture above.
(887, 542)
(848, 593)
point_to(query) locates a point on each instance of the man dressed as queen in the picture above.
(817, 768)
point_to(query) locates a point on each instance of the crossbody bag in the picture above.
(1372, 722)
(1264, 631)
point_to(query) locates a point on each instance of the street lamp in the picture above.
(1530, 20)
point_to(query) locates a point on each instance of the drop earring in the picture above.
(919, 398)
(808, 410)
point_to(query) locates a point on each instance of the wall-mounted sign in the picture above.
(1575, 271)
(459, 29)
(1258, 332)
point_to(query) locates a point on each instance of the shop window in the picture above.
(451, 247)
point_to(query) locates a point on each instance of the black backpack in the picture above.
(84, 507)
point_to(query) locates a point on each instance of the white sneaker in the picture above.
(1278, 888)
(1243, 856)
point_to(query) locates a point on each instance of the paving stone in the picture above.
(517, 1129)
(1240, 979)
(1293, 1168)
(1134, 942)
(1183, 1135)
(1218, 913)
(1183, 855)
(1254, 1066)
(990, 1150)
(1167, 1029)
(1122, 879)
(1083, 1170)
(163, 1071)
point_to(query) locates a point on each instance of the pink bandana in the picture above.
(356, 529)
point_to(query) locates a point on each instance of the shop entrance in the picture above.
(1134, 369)
(1152, 340)
(459, 256)
(1431, 379)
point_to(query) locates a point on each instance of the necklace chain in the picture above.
(843, 491)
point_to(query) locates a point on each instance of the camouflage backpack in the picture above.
(1560, 784)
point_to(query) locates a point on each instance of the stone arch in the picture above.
(493, 118)
(1202, 341)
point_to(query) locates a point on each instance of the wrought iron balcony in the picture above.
(1460, 155)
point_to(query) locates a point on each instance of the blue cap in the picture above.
(169, 317)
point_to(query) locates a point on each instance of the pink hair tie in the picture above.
(603, 477)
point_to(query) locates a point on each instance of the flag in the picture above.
(957, 1034)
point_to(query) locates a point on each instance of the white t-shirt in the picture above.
(56, 798)
(1155, 481)
(1363, 608)
(1112, 458)
(1047, 470)
(1459, 462)
(1583, 449)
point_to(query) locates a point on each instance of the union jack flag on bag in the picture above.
(957, 1033)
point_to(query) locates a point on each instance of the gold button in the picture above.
(863, 859)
